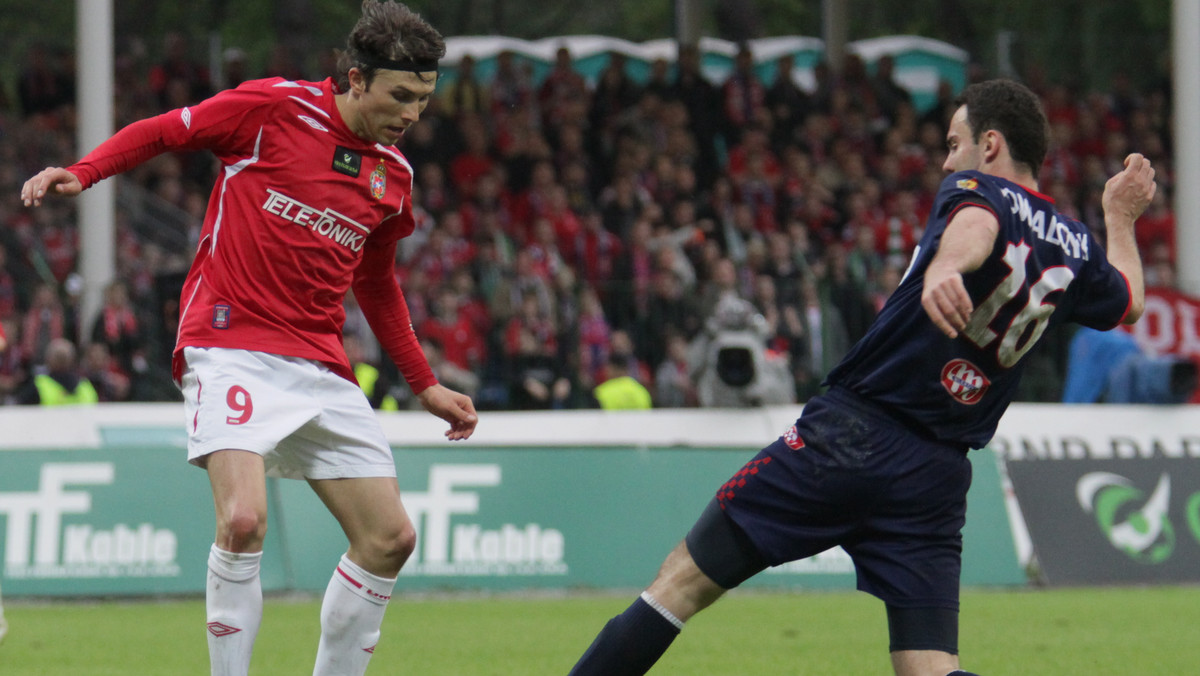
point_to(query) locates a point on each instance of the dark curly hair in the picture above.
(1012, 109)
(390, 31)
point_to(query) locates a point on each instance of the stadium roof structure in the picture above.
(921, 63)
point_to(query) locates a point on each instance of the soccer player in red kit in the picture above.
(310, 202)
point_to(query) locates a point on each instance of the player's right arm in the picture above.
(965, 245)
(1126, 196)
(126, 149)
(228, 121)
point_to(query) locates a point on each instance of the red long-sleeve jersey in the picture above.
(303, 210)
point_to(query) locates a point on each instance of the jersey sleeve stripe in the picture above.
(960, 206)
(310, 106)
(1128, 303)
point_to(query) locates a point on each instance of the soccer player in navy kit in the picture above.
(878, 464)
(311, 201)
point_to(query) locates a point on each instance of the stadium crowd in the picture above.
(567, 231)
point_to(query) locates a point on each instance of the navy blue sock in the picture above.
(960, 672)
(629, 644)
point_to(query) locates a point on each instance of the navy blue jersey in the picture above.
(1045, 269)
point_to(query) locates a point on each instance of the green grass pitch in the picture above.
(1072, 632)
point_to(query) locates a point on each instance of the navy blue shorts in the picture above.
(849, 474)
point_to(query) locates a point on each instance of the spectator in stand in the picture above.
(620, 391)
(822, 340)
(621, 204)
(446, 250)
(14, 370)
(673, 384)
(474, 160)
(743, 96)
(375, 382)
(463, 380)
(177, 66)
(890, 96)
(845, 291)
(595, 251)
(615, 93)
(58, 381)
(524, 280)
(538, 380)
(461, 342)
(703, 102)
(45, 320)
(1157, 227)
(9, 301)
(561, 86)
(102, 371)
(41, 86)
(626, 295)
(433, 191)
(235, 67)
(659, 80)
(535, 201)
(510, 88)
(623, 347)
(283, 63)
(532, 318)
(116, 327)
(595, 338)
(942, 110)
(465, 96)
(788, 102)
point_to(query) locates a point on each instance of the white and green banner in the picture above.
(104, 503)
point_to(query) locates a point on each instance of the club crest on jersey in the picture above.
(792, 438)
(967, 183)
(965, 381)
(379, 181)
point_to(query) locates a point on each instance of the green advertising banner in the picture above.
(101, 522)
(129, 518)
(126, 515)
(588, 517)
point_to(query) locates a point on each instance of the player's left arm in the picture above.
(383, 304)
(1126, 196)
(966, 243)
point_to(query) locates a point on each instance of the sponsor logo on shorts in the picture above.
(792, 438)
(220, 316)
(965, 381)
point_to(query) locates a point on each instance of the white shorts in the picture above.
(306, 421)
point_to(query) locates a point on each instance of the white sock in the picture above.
(351, 614)
(235, 607)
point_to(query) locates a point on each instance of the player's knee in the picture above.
(396, 546)
(241, 529)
